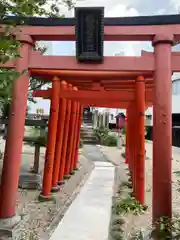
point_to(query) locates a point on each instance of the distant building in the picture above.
(175, 104)
(175, 115)
(149, 119)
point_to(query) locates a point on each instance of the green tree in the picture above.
(9, 45)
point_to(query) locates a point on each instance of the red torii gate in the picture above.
(88, 96)
(68, 133)
(120, 97)
(162, 62)
(64, 129)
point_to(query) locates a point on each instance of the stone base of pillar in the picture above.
(61, 183)
(43, 198)
(152, 235)
(130, 179)
(118, 143)
(33, 170)
(29, 181)
(55, 189)
(72, 172)
(75, 169)
(66, 177)
(10, 228)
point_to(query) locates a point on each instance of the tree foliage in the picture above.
(9, 45)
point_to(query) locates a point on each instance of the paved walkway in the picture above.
(89, 215)
(83, 220)
(93, 153)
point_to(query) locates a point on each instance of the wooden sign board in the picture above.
(89, 34)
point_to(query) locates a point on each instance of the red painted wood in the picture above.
(59, 139)
(76, 132)
(162, 130)
(76, 153)
(91, 96)
(13, 147)
(65, 139)
(51, 143)
(71, 137)
(101, 71)
(140, 136)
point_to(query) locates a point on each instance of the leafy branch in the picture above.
(9, 46)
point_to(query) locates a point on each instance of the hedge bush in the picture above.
(103, 134)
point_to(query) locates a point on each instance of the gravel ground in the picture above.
(120, 176)
(39, 219)
(143, 222)
(42, 218)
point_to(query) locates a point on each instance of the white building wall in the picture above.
(176, 104)
(149, 111)
(175, 99)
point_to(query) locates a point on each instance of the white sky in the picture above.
(113, 9)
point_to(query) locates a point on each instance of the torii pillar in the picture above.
(74, 155)
(71, 137)
(75, 137)
(132, 139)
(127, 137)
(59, 140)
(77, 141)
(51, 143)
(13, 147)
(140, 151)
(162, 127)
(65, 140)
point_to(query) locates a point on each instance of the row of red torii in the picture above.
(133, 83)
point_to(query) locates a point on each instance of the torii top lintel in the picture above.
(116, 29)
